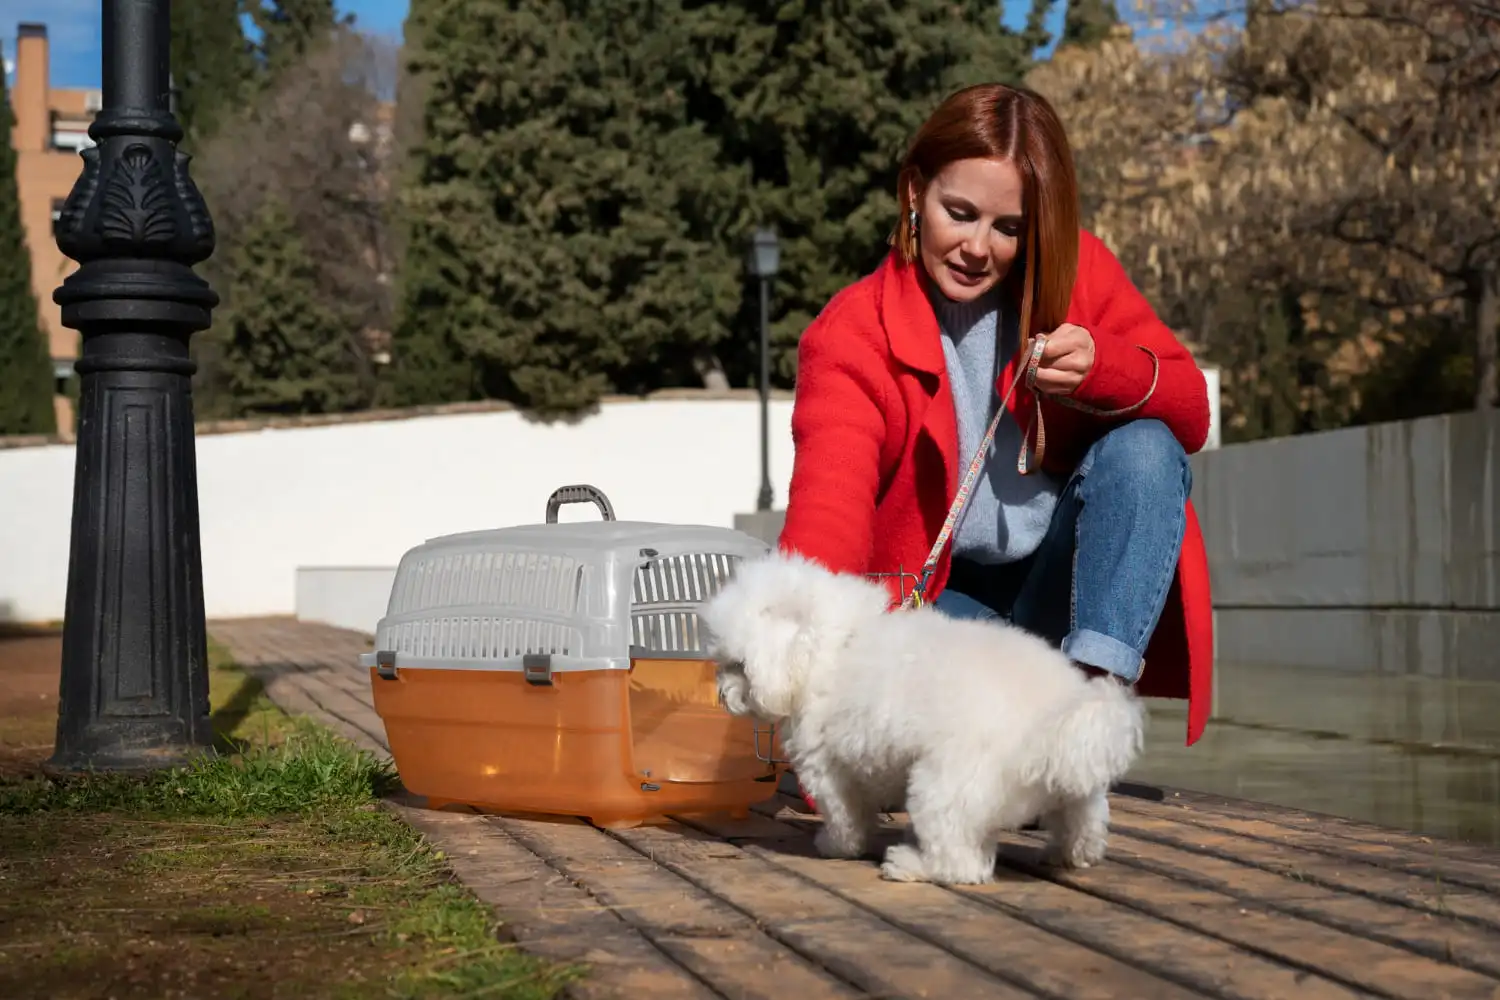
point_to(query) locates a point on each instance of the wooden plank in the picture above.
(1430, 864)
(277, 641)
(339, 705)
(1338, 826)
(717, 942)
(1007, 947)
(1169, 950)
(286, 693)
(1441, 938)
(356, 683)
(1426, 894)
(846, 939)
(752, 827)
(1197, 961)
(352, 681)
(272, 654)
(549, 916)
(299, 696)
(1369, 965)
(1011, 949)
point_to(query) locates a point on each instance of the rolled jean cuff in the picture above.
(1095, 649)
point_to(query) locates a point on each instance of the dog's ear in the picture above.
(775, 668)
(791, 605)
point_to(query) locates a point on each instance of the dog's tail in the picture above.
(1095, 740)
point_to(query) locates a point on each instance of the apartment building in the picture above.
(51, 126)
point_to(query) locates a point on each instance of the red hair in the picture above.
(994, 121)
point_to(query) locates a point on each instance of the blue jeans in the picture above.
(1097, 583)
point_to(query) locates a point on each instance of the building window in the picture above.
(62, 373)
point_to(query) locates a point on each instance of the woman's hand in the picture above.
(1066, 359)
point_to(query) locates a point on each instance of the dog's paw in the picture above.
(903, 863)
(1076, 852)
(833, 844)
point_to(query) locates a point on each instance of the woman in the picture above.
(1078, 524)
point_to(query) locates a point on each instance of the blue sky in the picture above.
(73, 27)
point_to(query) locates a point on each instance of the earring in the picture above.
(912, 218)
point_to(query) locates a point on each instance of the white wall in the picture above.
(352, 597)
(1211, 376)
(361, 494)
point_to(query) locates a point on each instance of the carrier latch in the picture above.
(537, 669)
(385, 663)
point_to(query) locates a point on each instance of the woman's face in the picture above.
(970, 226)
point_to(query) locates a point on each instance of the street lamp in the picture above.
(134, 691)
(765, 260)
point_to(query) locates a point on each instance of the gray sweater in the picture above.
(1007, 514)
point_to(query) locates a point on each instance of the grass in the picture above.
(264, 869)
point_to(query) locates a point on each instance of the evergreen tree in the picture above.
(1088, 22)
(289, 29)
(563, 216)
(285, 347)
(26, 384)
(329, 191)
(578, 202)
(211, 64)
(820, 101)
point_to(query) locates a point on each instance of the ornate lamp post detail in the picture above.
(765, 261)
(134, 674)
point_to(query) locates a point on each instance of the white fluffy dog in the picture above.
(980, 726)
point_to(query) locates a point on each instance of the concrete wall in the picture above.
(359, 494)
(352, 597)
(1357, 579)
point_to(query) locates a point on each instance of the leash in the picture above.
(1024, 464)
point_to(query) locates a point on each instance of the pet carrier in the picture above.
(557, 668)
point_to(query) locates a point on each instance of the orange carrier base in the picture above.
(614, 746)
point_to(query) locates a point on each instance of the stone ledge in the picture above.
(251, 424)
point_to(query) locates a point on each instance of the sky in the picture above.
(73, 28)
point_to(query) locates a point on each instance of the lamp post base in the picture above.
(120, 751)
(134, 690)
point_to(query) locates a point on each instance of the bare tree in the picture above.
(1404, 94)
(1304, 194)
(319, 143)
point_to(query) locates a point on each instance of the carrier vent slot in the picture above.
(666, 631)
(533, 580)
(480, 638)
(693, 577)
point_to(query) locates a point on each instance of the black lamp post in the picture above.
(134, 693)
(765, 260)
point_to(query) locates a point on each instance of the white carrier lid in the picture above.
(549, 597)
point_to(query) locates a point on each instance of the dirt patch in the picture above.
(269, 873)
(135, 909)
(30, 665)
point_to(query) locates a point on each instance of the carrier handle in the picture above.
(580, 493)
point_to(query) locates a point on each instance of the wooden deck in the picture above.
(1201, 897)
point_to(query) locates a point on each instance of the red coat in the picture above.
(877, 461)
